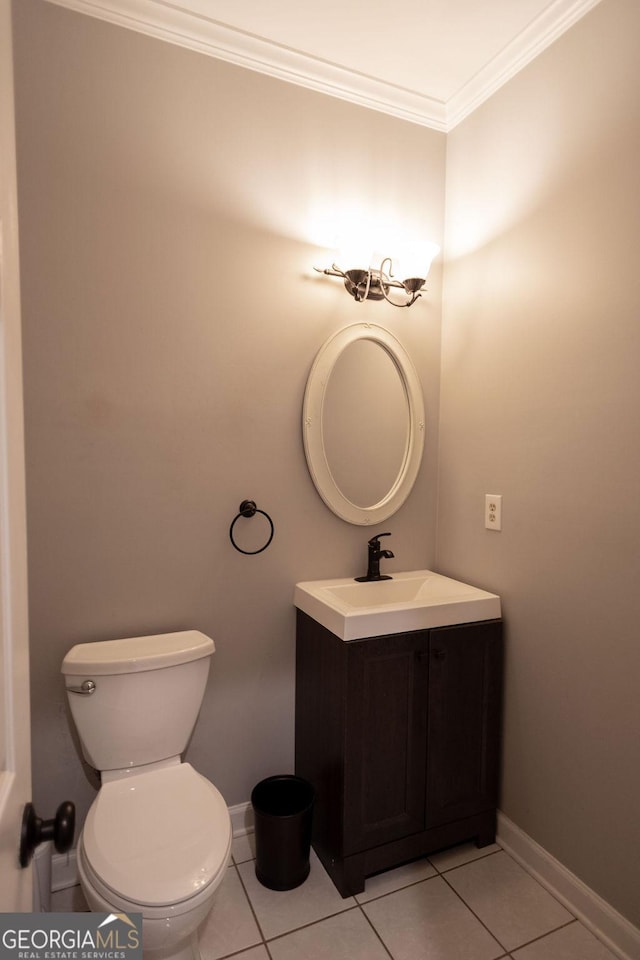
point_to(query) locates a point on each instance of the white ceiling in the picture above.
(429, 61)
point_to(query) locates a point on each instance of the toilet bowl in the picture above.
(157, 844)
(157, 838)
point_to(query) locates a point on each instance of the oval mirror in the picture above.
(363, 423)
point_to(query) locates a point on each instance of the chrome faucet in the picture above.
(375, 554)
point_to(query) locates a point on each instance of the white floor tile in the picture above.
(347, 936)
(244, 848)
(514, 906)
(574, 942)
(230, 926)
(393, 880)
(463, 853)
(415, 912)
(256, 953)
(427, 921)
(282, 911)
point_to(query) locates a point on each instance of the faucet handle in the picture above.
(374, 542)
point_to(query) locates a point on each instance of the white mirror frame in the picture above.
(312, 425)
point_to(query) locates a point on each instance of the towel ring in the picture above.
(248, 509)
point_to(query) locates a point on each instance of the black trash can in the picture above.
(283, 812)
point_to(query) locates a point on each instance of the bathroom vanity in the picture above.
(399, 733)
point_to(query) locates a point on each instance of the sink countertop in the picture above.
(413, 600)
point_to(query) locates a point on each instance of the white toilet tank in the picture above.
(146, 698)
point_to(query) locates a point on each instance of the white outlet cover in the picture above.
(493, 511)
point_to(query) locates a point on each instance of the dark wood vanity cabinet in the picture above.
(400, 737)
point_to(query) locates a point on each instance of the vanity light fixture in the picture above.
(375, 284)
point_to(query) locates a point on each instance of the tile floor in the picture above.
(462, 904)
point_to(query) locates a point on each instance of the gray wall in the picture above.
(540, 402)
(171, 206)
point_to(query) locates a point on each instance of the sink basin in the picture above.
(416, 600)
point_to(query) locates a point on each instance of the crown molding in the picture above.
(184, 24)
(178, 24)
(539, 35)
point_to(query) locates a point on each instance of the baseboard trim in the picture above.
(64, 866)
(64, 870)
(241, 819)
(609, 926)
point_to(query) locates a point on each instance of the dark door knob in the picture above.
(35, 831)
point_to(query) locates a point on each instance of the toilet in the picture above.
(157, 838)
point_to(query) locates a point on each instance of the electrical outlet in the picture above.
(493, 511)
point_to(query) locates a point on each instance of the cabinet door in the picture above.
(465, 666)
(385, 747)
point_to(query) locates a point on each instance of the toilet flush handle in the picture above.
(86, 688)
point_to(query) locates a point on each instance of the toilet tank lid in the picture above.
(136, 654)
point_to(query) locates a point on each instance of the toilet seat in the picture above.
(158, 838)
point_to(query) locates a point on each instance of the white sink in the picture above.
(416, 600)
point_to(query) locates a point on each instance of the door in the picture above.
(386, 731)
(463, 750)
(15, 744)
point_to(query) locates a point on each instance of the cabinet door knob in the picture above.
(439, 654)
